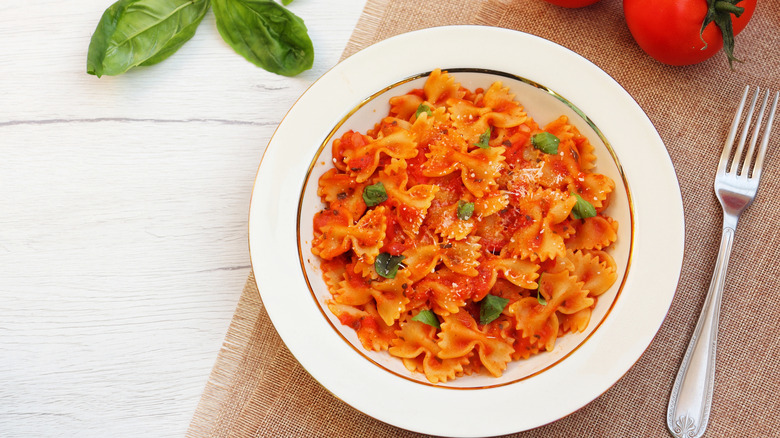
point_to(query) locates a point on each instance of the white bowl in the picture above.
(548, 80)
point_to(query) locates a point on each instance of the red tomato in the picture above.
(670, 30)
(572, 3)
(739, 23)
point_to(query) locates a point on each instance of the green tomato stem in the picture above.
(724, 6)
(720, 13)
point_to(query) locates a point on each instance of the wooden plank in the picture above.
(123, 216)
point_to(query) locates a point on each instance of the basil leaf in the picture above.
(465, 210)
(286, 2)
(427, 317)
(582, 209)
(539, 297)
(374, 194)
(546, 142)
(141, 32)
(491, 308)
(423, 108)
(266, 34)
(387, 265)
(484, 138)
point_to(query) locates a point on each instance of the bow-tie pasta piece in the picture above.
(440, 86)
(562, 294)
(519, 272)
(346, 145)
(594, 188)
(505, 111)
(410, 206)
(597, 232)
(390, 296)
(479, 168)
(496, 109)
(576, 322)
(460, 335)
(459, 256)
(597, 276)
(534, 237)
(416, 345)
(333, 238)
(353, 289)
(524, 348)
(405, 106)
(436, 129)
(448, 222)
(446, 290)
(371, 330)
(341, 191)
(362, 162)
(470, 120)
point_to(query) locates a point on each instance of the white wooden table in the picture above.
(123, 216)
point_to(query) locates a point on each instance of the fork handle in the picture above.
(689, 405)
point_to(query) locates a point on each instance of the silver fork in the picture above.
(735, 187)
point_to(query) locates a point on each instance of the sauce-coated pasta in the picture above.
(457, 238)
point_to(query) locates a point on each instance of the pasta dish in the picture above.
(459, 235)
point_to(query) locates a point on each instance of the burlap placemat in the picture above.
(258, 389)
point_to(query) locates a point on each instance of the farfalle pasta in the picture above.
(458, 235)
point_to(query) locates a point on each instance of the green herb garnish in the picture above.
(266, 34)
(465, 210)
(141, 32)
(539, 297)
(491, 308)
(144, 32)
(427, 317)
(423, 108)
(387, 265)
(582, 209)
(484, 138)
(546, 142)
(374, 194)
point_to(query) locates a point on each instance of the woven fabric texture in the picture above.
(258, 389)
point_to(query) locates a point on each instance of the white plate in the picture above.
(549, 80)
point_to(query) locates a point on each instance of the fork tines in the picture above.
(758, 129)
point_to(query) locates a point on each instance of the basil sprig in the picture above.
(582, 209)
(266, 34)
(491, 308)
(484, 138)
(144, 32)
(465, 210)
(427, 317)
(546, 142)
(387, 265)
(141, 32)
(539, 297)
(423, 108)
(374, 194)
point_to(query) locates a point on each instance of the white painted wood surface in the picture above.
(123, 216)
